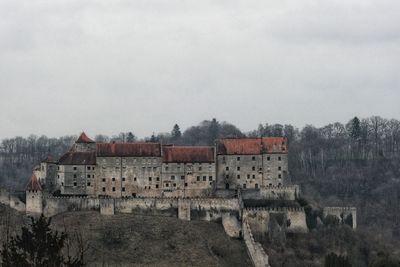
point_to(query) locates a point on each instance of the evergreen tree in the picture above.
(333, 260)
(37, 246)
(176, 132)
(355, 129)
(130, 137)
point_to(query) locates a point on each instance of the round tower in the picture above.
(34, 196)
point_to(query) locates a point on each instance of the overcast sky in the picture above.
(143, 65)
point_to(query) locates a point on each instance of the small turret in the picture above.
(34, 196)
(84, 144)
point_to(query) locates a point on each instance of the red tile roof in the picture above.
(252, 146)
(129, 150)
(83, 138)
(187, 154)
(33, 184)
(78, 158)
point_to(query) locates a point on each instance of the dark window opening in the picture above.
(204, 178)
(244, 185)
(113, 189)
(182, 177)
(210, 178)
(256, 185)
(226, 186)
(156, 185)
(253, 158)
(238, 176)
(123, 189)
(104, 189)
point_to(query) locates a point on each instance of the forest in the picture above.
(352, 164)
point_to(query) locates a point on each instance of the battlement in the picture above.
(275, 209)
(340, 209)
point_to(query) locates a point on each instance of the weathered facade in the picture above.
(252, 162)
(155, 170)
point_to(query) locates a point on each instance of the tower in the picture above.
(34, 196)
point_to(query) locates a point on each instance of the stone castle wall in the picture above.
(342, 213)
(254, 249)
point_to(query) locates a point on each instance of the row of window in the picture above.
(252, 168)
(146, 187)
(210, 178)
(252, 176)
(252, 158)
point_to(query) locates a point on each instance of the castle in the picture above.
(233, 182)
(156, 170)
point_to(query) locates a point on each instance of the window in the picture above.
(74, 183)
(113, 189)
(158, 179)
(104, 189)
(104, 179)
(268, 158)
(58, 176)
(75, 168)
(166, 168)
(74, 175)
(123, 179)
(88, 176)
(279, 158)
(253, 158)
(182, 177)
(256, 185)
(88, 184)
(156, 185)
(210, 178)
(238, 168)
(167, 185)
(173, 177)
(123, 189)
(227, 168)
(280, 176)
(279, 168)
(204, 178)
(134, 179)
(113, 179)
(227, 176)
(244, 185)
(149, 179)
(186, 184)
(238, 176)
(254, 176)
(88, 168)
(238, 158)
(248, 176)
(253, 168)
(198, 178)
(93, 168)
(174, 185)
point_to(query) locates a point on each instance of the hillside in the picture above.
(128, 240)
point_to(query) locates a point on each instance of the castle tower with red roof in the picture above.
(84, 144)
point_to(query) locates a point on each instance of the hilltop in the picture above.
(131, 240)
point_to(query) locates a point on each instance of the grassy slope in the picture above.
(128, 240)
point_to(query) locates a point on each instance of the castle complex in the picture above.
(155, 170)
(242, 183)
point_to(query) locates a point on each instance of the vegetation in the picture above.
(355, 164)
(37, 246)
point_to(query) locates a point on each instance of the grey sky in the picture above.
(142, 65)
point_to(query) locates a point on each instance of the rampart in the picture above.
(294, 218)
(254, 249)
(342, 213)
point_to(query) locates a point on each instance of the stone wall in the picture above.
(56, 205)
(258, 218)
(254, 249)
(4, 196)
(34, 202)
(342, 213)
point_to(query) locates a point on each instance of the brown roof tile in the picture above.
(83, 138)
(78, 158)
(34, 184)
(252, 146)
(129, 150)
(186, 154)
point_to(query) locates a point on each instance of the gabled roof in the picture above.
(83, 138)
(48, 159)
(188, 154)
(78, 158)
(252, 146)
(33, 184)
(128, 150)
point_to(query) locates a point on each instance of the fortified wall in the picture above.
(293, 220)
(343, 214)
(254, 249)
